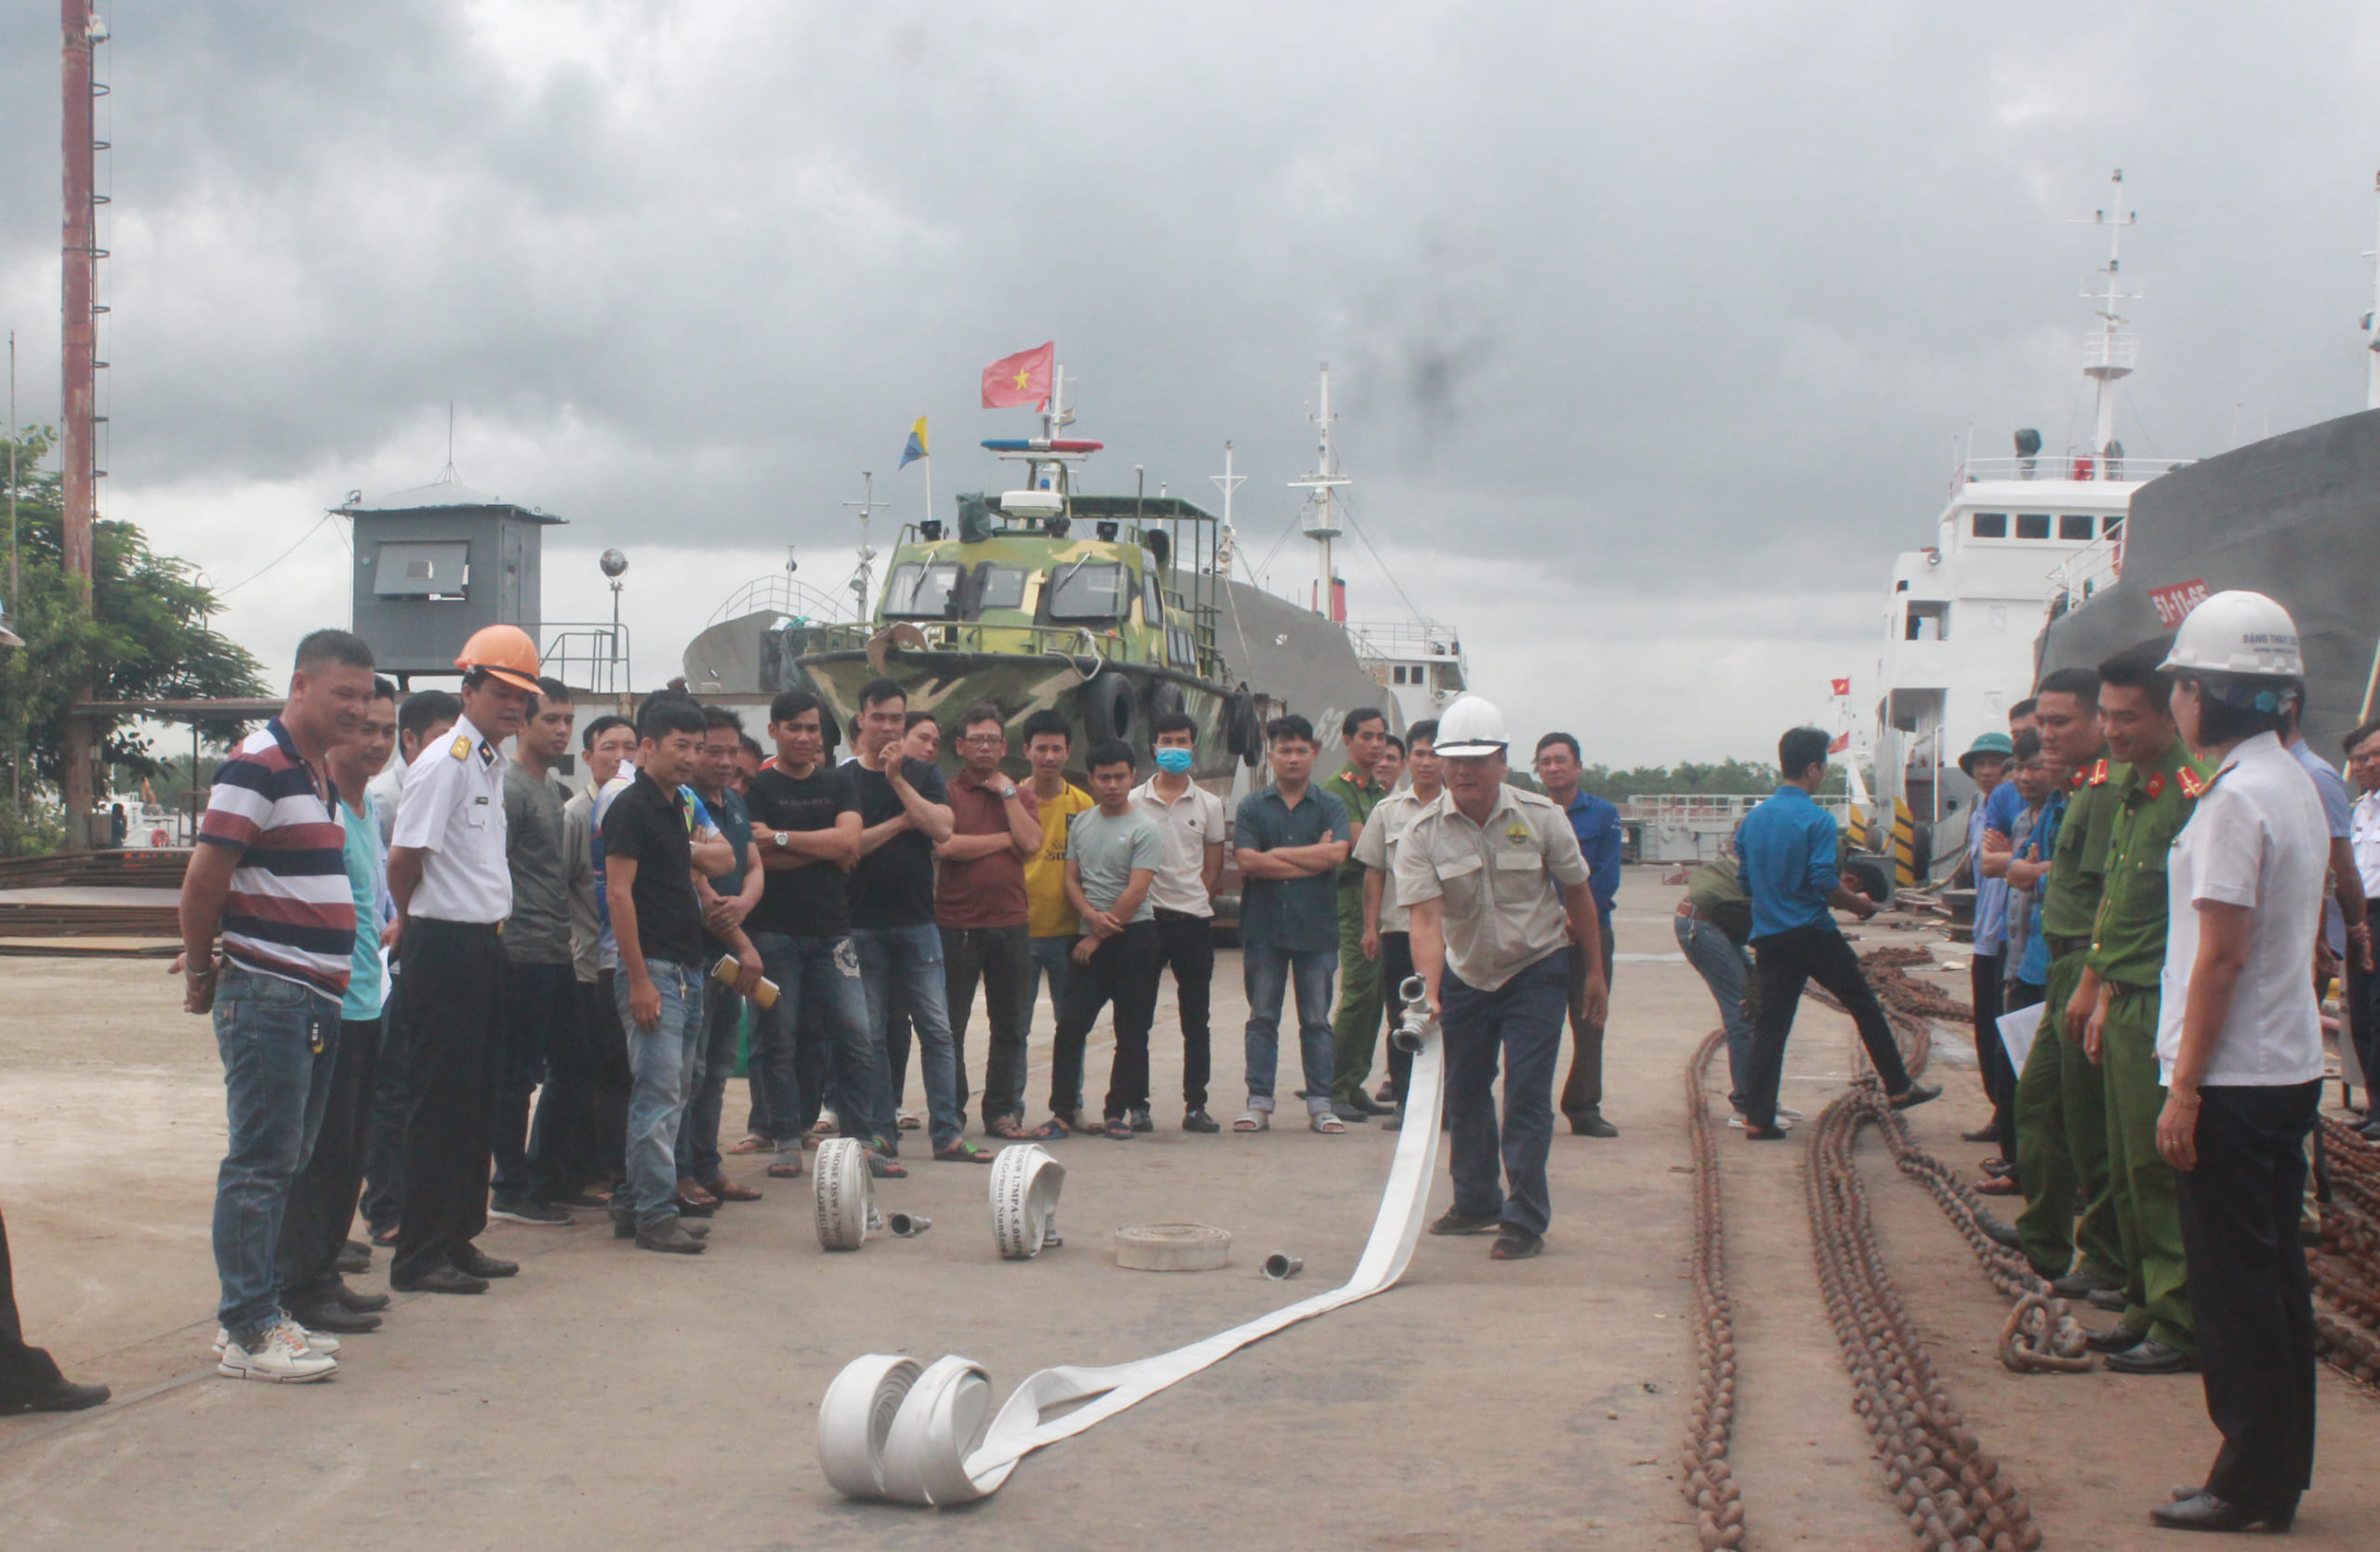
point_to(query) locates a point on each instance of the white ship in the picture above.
(1964, 613)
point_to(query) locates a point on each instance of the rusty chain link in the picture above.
(1709, 1480)
(2345, 1268)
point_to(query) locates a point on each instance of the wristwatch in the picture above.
(776, 838)
(1010, 793)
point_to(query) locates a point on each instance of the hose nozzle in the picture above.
(1407, 1034)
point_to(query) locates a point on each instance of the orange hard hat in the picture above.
(504, 651)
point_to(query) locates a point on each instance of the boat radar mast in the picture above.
(2372, 331)
(1320, 519)
(1047, 458)
(1228, 541)
(2108, 355)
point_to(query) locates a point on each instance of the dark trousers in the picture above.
(1783, 963)
(2363, 1029)
(1521, 1023)
(1991, 1052)
(1001, 958)
(454, 1007)
(2249, 1294)
(1395, 968)
(564, 1153)
(698, 1155)
(25, 1373)
(540, 1005)
(1582, 1091)
(323, 1197)
(610, 1078)
(389, 1099)
(1123, 969)
(1185, 944)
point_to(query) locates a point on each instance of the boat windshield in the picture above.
(921, 591)
(1084, 592)
(1003, 588)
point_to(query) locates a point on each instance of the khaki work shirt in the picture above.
(1377, 848)
(1502, 882)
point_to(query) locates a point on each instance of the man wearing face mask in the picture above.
(1190, 820)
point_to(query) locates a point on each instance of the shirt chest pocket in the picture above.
(1460, 869)
(475, 813)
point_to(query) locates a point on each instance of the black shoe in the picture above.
(1386, 1093)
(2081, 1283)
(1370, 1106)
(1914, 1095)
(2150, 1356)
(476, 1261)
(623, 1223)
(1590, 1123)
(1515, 1243)
(1140, 1119)
(354, 1259)
(1351, 1114)
(670, 1237)
(60, 1395)
(327, 1314)
(440, 1279)
(1999, 1231)
(1198, 1121)
(2110, 1299)
(1468, 1223)
(2206, 1512)
(524, 1210)
(362, 1303)
(579, 1198)
(2115, 1339)
(1765, 1134)
(1980, 1135)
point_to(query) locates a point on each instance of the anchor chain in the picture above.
(1708, 1479)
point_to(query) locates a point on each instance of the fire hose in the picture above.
(893, 1430)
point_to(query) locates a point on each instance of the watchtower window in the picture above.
(2075, 526)
(1927, 621)
(2032, 525)
(1989, 526)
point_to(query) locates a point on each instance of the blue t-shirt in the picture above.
(2338, 809)
(2039, 846)
(1997, 811)
(367, 869)
(1788, 863)
(1596, 824)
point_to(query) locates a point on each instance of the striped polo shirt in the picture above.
(291, 911)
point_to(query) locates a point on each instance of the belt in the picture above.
(476, 929)
(1166, 914)
(2125, 988)
(892, 1429)
(2061, 947)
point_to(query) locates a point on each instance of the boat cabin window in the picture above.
(2111, 527)
(1991, 526)
(1152, 600)
(921, 591)
(1927, 621)
(1000, 586)
(1082, 591)
(1184, 650)
(2032, 525)
(2075, 526)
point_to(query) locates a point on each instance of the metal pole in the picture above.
(2372, 331)
(78, 337)
(16, 593)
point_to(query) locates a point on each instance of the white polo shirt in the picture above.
(2256, 838)
(454, 812)
(1377, 848)
(1189, 825)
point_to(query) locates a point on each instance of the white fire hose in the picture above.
(1026, 1179)
(843, 1194)
(893, 1430)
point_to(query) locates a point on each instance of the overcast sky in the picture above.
(1654, 330)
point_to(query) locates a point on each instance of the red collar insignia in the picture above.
(2099, 774)
(2155, 786)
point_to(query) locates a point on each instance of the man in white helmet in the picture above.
(1498, 892)
(2240, 1050)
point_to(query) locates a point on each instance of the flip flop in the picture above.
(1119, 1130)
(1047, 1132)
(881, 1168)
(1007, 1129)
(787, 1169)
(754, 1143)
(961, 1152)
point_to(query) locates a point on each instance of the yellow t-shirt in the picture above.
(1046, 913)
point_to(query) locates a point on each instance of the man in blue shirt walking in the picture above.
(1791, 868)
(1596, 824)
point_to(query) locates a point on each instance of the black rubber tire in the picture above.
(1163, 697)
(1107, 708)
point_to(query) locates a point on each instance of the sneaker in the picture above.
(1784, 1122)
(278, 1358)
(313, 1341)
(1140, 1119)
(1198, 1121)
(522, 1210)
(1787, 1112)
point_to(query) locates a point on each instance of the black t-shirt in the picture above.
(809, 901)
(649, 827)
(893, 885)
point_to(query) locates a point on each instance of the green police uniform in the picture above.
(1356, 1028)
(2152, 803)
(2061, 1102)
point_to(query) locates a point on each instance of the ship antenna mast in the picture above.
(2108, 354)
(867, 506)
(2372, 331)
(1320, 520)
(1226, 482)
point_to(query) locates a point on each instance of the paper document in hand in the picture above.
(2016, 1031)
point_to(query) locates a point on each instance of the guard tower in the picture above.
(436, 563)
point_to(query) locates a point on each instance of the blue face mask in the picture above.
(1173, 762)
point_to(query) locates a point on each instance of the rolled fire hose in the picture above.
(1172, 1247)
(843, 1194)
(1026, 1181)
(893, 1430)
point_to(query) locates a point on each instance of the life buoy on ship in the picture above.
(1107, 708)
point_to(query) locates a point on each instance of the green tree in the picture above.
(150, 636)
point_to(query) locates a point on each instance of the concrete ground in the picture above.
(608, 1398)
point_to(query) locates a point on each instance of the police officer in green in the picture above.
(1355, 1030)
(2114, 1012)
(2061, 1104)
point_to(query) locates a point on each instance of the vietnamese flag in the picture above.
(1022, 379)
(1842, 742)
(1842, 687)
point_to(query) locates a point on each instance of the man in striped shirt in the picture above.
(268, 879)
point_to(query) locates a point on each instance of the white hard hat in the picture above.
(1472, 726)
(2238, 632)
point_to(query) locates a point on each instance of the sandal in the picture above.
(1254, 1120)
(881, 1168)
(825, 1125)
(754, 1143)
(787, 1167)
(961, 1152)
(1118, 1130)
(1324, 1122)
(906, 1121)
(1005, 1127)
(1047, 1132)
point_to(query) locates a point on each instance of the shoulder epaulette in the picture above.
(2191, 784)
(460, 749)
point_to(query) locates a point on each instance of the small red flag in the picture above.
(1842, 742)
(1842, 687)
(1022, 379)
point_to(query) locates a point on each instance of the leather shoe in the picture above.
(1999, 1231)
(728, 1190)
(477, 1263)
(354, 1258)
(1352, 1114)
(670, 1237)
(2110, 1299)
(1370, 1106)
(441, 1280)
(328, 1314)
(2081, 1283)
(1766, 1133)
(1590, 1123)
(362, 1303)
(1980, 1135)
(2206, 1512)
(2115, 1339)
(60, 1395)
(2150, 1356)
(1914, 1095)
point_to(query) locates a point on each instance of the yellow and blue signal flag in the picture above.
(917, 447)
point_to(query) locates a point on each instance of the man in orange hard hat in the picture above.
(453, 890)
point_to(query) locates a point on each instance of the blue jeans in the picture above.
(664, 1060)
(1521, 1021)
(698, 1156)
(819, 1027)
(278, 1041)
(1725, 970)
(909, 960)
(1051, 957)
(1266, 972)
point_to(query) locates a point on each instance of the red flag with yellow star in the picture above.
(1022, 379)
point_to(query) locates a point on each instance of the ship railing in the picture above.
(775, 593)
(591, 655)
(1705, 808)
(1405, 638)
(2065, 466)
(2087, 572)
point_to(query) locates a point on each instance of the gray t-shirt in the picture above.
(537, 851)
(1106, 850)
